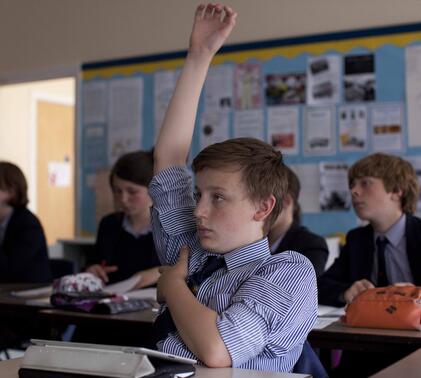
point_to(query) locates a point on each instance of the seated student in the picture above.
(228, 301)
(23, 248)
(124, 240)
(288, 234)
(384, 192)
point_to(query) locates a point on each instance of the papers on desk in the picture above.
(44, 291)
(122, 287)
(330, 312)
(327, 315)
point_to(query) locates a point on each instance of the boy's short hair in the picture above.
(136, 167)
(396, 174)
(263, 171)
(12, 179)
(293, 190)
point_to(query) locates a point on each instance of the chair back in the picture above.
(309, 363)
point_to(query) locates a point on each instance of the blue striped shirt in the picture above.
(266, 304)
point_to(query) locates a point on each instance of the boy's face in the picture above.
(131, 198)
(371, 201)
(226, 217)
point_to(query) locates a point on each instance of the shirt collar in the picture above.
(258, 250)
(395, 233)
(128, 228)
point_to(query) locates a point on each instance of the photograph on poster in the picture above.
(334, 191)
(359, 78)
(285, 89)
(323, 75)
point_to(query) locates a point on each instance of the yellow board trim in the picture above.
(316, 48)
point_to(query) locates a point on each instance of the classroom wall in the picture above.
(40, 38)
(17, 122)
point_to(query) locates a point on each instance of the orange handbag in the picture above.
(395, 307)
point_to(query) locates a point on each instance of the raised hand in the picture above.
(212, 26)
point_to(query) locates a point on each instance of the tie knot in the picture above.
(381, 242)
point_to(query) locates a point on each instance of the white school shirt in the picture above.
(266, 304)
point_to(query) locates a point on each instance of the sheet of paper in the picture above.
(334, 191)
(94, 104)
(387, 127)
(247, 86)
(330, 311)
(413, 93)
(416, 163)
(283, 128)
(324, 322)
(149, 293)
(309, 177)
(248, 123)
(59, 174)
(319, 131)
(218, 90)
(33, 293)
(94, 146)
(125, 109)
(323, 73)
(164, 85)
(213, 128)
(359, 78)
(353, 132)
(123, 287)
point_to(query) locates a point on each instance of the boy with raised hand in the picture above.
(228, 301)
(384, 191)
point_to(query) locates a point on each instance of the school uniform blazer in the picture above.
(355, 261)
(23, 253)
(314, 247)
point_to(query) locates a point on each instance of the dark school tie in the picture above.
(164, 323)
(382, 280)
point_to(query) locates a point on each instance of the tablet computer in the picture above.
(115, 348)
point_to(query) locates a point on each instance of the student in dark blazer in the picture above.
(23, 248)
(124, 240)
(288, 234)
(384, 191)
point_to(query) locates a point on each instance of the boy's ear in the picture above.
(264, 208)
(397, 194)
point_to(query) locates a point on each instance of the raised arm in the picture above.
(212, 25)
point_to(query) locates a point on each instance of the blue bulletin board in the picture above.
(325, 100)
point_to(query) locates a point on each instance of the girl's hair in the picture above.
(13, 180)
(136, 167)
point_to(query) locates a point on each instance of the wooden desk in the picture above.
(9, 369)
(339, 336)
(408, 367)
